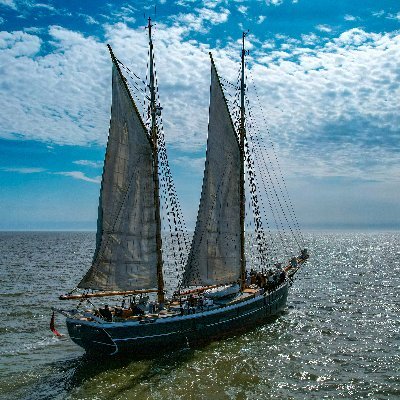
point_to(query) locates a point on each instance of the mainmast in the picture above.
(242, 134)
(154, 136)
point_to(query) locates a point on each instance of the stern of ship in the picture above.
(94, 339)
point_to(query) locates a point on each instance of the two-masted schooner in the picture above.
(217, 295)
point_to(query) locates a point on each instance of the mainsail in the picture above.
(126, 253)
(215, 254)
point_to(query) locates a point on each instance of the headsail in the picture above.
(126, 255)
(215, 254)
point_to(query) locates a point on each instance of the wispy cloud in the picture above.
(394, 16)
(273, 2)
(242, 9)
(196, 164)
(94, 164)
(379, 13)
(387, 15)
(261, 19)
(88, 19)
(28, 170)
(79, 175)
(349, 17)
(43, 5)
(324, 28)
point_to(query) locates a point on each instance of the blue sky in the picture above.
(327, 73)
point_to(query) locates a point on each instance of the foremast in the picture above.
(154, 140)
(242, 134)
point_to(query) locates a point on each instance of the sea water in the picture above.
(338, 338)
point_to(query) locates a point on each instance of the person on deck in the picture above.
(106, 313)
(136, 310)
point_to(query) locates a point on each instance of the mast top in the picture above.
(244, 34)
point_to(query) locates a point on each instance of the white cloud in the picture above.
(310, 39)
(30, 170)
(89, 19)
(215, 17)
(394, 16)
(61, 97)
(273, 2)
(261, 19)
(88, 163)
(378, 14)
(18, 44)
(349, 17)
(356, 37)
(324, 104)
(42, 5)
(338, 99)
(324, 28)
(211, 3)
(384, 14)
(80, 175)
(195, 164)
(242, 9)
(201, 19)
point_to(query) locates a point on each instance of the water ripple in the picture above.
(338, 339)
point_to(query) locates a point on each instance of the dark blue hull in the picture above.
(165, 334)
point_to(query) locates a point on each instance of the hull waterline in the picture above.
(153, 336)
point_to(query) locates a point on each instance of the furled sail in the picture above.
(126, 256)
(215, 252)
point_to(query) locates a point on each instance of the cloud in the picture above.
(42, 5)
(336, 103)
(311, 39)
(202, 19)
(330, 102)
(394, 16)
(261, 19)
(89, 19)
(80, 175)
(24, 170)
(378, 14)
(18, 44)
(274, 2)
(384, 14)
(324, 28)
(60, 97)
(349, 17)
(192, 163)
(88, 163)
(242, 9)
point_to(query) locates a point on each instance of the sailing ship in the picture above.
(217, 296)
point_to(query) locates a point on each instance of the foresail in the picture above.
(125, 257)
(215, 252)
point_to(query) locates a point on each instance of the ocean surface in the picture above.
(339, 337)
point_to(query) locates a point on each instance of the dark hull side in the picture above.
(164, 334)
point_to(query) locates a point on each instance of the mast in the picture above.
(153, 134)
(242, 190)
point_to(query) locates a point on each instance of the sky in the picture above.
(326, 72)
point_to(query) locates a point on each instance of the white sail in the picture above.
(126, 254)
(215, 252)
